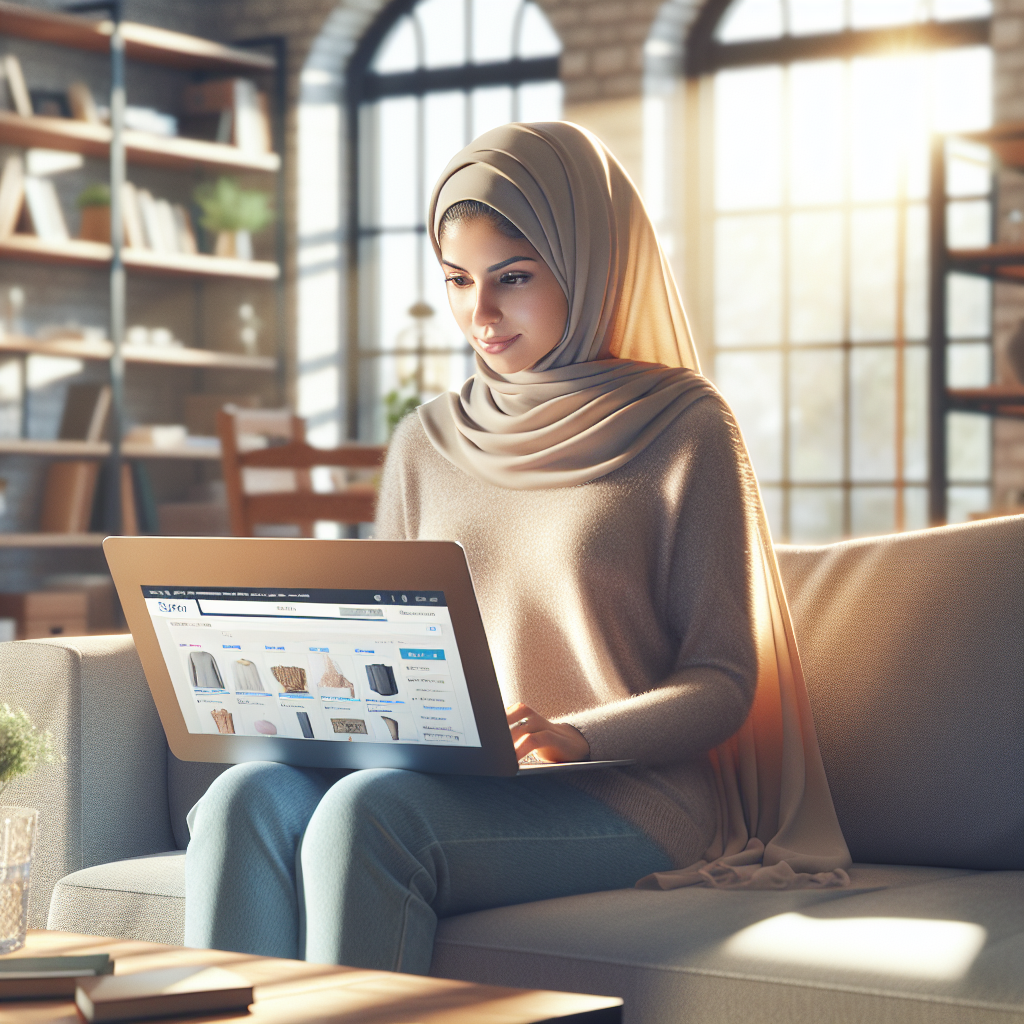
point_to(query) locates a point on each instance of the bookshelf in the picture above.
(140, 147)
(76, 252)
(1000, 261)
(196, 60)
(101, 351)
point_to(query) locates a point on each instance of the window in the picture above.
(442, 73)
(821, 124)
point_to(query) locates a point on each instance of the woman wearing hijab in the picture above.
(627, 584)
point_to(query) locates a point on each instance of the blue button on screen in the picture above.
(419, 654)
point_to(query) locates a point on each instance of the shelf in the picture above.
(101, 449)
(51, 540)
(76, 252)
(142, 42)
(102, 350)
(141, 147)
(1003, 261)
(997, 400)
(1005, 140)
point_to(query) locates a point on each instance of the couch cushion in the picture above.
(142, 898)
(913, 648)
(936, 945)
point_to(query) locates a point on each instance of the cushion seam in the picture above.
(737, 976)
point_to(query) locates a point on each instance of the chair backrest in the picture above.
(913, 650)
(266, 464)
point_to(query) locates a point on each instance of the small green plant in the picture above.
(96, 194)
(397, 406)
(227, 206)
(22, 746)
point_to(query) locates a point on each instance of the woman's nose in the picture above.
(487, 311)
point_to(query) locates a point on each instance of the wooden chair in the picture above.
(266, 464)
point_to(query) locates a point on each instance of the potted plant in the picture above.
(94, 204)
(233, 214)
(22, 748)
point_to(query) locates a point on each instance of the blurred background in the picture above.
(836, 184)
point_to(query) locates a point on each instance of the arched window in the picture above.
(431, 76)
(820, 117)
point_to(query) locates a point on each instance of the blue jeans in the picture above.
(282, 863)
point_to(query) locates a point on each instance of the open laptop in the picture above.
(317, 653)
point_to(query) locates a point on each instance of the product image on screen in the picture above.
(345, 666)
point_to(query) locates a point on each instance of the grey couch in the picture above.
(914, 653)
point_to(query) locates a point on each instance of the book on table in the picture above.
(49, 977)
(162, 993)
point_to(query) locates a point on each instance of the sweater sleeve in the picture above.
(707, 594)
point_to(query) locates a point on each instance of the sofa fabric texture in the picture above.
(913, 648)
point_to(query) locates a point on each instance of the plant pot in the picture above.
(235, 245)
(17, 844)
(95, 224)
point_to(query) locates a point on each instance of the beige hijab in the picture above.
(624, 369)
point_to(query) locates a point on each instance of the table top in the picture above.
(295, 992)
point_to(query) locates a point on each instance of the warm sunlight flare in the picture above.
(908, 947)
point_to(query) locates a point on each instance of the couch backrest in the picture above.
(913, 650)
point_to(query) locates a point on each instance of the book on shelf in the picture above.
(171, 991)
(186, 235)
(44, 209)
(49, 103)
(249, 109)
(49, 977)
(12, 194)
(17, 91)
(69, 493)
(131, 215)
(83, 103)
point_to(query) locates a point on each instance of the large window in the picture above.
(822, 112)
(443, 72)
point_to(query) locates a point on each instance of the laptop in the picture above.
(318, 653)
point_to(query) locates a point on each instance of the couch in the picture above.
(913, 648)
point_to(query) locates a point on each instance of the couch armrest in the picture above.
(107, 798)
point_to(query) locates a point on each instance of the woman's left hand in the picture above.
(532, 733)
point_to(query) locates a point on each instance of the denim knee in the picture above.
(254, 793)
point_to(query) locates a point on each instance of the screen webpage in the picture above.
(347, 666)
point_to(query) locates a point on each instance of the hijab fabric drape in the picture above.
(624, 369)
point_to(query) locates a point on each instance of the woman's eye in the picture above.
(515, 277)
(456, 279)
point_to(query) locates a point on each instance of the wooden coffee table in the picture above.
(294, 992)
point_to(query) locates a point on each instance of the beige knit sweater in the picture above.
(620, 606)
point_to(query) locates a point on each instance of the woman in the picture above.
(613, 526)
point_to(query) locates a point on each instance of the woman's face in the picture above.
(504, 297)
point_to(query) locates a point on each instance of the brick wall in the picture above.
(1008, 305)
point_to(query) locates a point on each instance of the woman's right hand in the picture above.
(532, 733)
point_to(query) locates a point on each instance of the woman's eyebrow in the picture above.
(505, 263)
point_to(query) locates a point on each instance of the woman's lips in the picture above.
(492, 346)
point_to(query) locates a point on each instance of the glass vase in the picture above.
(17, 844)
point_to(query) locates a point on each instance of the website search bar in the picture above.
(277, 609)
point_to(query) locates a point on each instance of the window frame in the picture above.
(703, 57)
(364, 86)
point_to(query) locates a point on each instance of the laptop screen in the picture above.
(347, 666)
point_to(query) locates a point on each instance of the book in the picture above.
(12, 194)
(162, 993)
(49, 977)
(44, 210)
(131, 216)
(249, 109)
(151, 224)
(186, 235)
(83, 103)
(70, 489)
(16, 88)
(168, 225)
(86, 410)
